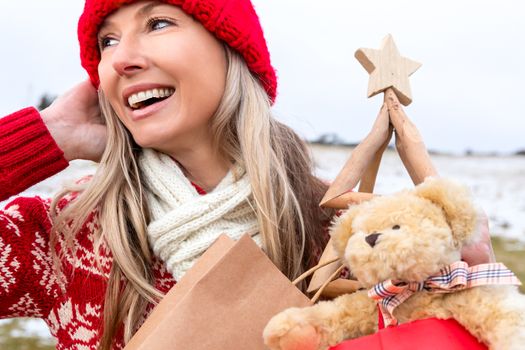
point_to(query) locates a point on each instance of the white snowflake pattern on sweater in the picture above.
(29, 285)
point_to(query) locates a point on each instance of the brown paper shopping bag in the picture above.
(223, 302)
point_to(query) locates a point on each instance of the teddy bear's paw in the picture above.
(289, 330)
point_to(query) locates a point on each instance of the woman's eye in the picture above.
(159, 23)
(396, 227)
(107, 42)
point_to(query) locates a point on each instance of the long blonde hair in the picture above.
(278, 165)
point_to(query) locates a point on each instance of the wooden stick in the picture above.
(339, 287)
(360, 158)
(321, 275)
(368, 180)
(347, 199)
(409, 143)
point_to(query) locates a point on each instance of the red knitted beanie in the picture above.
(232, 21)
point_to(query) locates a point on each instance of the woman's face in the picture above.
(163, 73)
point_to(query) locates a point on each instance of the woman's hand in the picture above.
(480, 252)
(75, 123)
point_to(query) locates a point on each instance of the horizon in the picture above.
(339, 142)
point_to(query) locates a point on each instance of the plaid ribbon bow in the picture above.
(455, 277)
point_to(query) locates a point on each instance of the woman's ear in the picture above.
(341, 229)
(455, 201)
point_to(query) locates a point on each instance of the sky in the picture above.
(466, 96)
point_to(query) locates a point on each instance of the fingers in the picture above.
(75, 123)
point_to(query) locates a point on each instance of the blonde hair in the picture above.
(278, 165)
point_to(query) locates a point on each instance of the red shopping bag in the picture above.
(427, 334)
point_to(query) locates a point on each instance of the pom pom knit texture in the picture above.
(233, 21)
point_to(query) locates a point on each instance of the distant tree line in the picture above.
(332, 139)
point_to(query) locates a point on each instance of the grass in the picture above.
(14, 336)
(512, 254)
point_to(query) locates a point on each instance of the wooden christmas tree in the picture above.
(389, 73)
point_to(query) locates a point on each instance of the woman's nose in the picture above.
(128, 57)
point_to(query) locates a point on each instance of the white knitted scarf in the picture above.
(183, 222)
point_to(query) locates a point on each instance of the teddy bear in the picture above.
(404, 249)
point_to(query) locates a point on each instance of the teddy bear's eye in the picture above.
(396, 227)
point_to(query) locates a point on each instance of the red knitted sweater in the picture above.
(28, 285)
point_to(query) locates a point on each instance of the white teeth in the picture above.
(136, 98)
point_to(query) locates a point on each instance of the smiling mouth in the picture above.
(148, 97)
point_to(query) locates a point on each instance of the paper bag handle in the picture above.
(328, 280)
(312, 270)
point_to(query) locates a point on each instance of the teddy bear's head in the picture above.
(407, 236)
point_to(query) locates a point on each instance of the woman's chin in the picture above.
(146, 143)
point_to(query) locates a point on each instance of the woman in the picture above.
(188, 149)
(186, 111)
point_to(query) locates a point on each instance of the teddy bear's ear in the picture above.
(455, 201)
(341, 229)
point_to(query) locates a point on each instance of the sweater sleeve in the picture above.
(28, 283)
(28, 152)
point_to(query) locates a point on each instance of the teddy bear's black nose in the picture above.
(371, 239)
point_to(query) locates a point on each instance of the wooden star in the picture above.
(387, 68)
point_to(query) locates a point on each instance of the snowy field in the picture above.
(497, 182)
